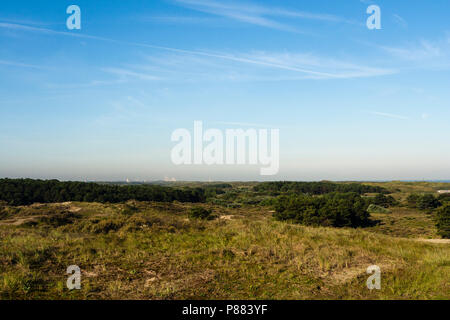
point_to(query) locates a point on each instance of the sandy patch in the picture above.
(440, 241)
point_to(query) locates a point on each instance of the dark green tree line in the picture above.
(316, 188)
(28, 191)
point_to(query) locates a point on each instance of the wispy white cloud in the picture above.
(243, 13)
(25, 21)
(308, 15)
(424, 50)
(423, 54)
(123, 76)
(24, 27)
(19, 64)
(400, 21)
(324, 68)
(87, 84)
(178, 19)
(388, 115)
(257, 14)
(306, 65)
(261, 66)
(130, 73)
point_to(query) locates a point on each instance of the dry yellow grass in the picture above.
(157, 252)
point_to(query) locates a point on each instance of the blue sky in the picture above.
(101, 103)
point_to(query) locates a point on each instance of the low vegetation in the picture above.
(174, 250)
(201, 213)
(373, 208)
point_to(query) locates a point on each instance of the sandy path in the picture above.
(440, 241)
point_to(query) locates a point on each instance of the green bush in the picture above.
(105, 226)
(443, 221)
(334, 209)
(443, 198)
(200, 213)
(269, 201)
(383, 201)
(59, 219)
(373, 208)
(412, 200)
(129, 209)
(428, 201)
(423, 201)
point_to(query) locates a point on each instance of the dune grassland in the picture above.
(240, 241)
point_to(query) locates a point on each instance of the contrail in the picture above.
(198, 53)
